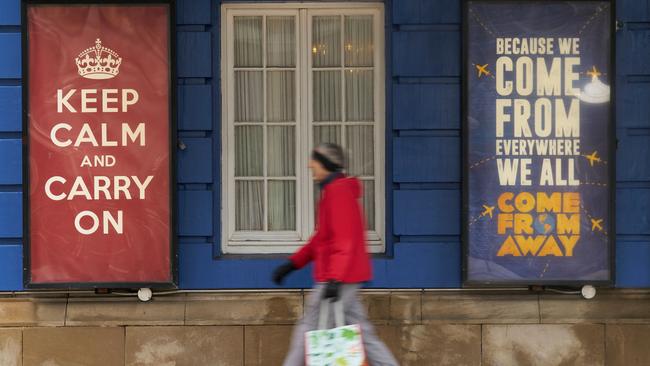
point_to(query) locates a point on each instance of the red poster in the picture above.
(99, 125)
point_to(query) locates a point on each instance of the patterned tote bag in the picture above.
(339, 346)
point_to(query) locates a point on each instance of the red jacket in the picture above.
(338, 247)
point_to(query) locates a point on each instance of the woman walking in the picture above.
(338, 250)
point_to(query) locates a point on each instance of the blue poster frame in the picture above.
(467, 281)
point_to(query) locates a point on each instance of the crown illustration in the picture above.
(98, 62)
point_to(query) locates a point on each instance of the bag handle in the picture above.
(324, 313)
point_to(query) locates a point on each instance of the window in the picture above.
(293, 76)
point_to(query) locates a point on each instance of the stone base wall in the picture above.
(422, 328)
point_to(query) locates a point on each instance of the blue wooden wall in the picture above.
(633, 133)
(11, 254)
(423, 197)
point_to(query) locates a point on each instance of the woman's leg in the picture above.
(376, 351)
(296, 355)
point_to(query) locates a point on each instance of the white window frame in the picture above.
(255, 242)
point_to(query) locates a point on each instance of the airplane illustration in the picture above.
(488, 211)
(482, 69)
(595, 224)
(593, 158)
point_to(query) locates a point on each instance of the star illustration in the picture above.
(594, 73)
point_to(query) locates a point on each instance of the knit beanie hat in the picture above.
(330, 155)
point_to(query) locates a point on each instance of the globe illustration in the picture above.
(544, 223)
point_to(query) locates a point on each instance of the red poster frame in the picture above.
(172, 272)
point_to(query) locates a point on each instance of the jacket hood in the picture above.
(350, 184)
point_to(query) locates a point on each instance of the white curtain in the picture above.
(249, 196)
(360, 145)
(249, 106)
(281, 155)
(359, 97)
(280, 41)
(248, 41)
(330, 134)
(282, 163)
(265, 138)
(326, 52)
(327, 95)
(368, 202)
(359, 106)
(326, 41)
(263, 150)
(281, 96)
(249, 145)
(282, 205)
(358, 86)
(358, 41)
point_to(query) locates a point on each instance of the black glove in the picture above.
(332, 290)
(282, 271)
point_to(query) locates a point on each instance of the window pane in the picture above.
(358, 40)
(248, 41)
(326, 41)
(249, 149)
(280, 91)
(359, 96)
(282, 151)
(327, 96)
(249, 200)
(248, 96)
(368, 203)
(280, 41)
(360, 145)
(327, 134)
(266, 104)
(282, 205)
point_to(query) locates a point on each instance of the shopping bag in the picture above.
(339, 346)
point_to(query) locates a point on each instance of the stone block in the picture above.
(115, 311)
(244, 308)
(543, 345)
(627, 344)
(479, 308)
(390, 335)
(609, 306)
(11, 347)
(33, 311)
(377, 305)
(184, 346)
(434, 344)
(87, 346)
(406, 308)
(266, 344)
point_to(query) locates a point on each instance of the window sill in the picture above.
(250, 248)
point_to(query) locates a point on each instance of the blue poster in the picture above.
(538, 130)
